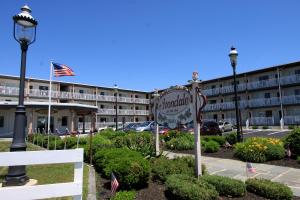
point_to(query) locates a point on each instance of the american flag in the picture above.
(113, 183)
(62, 70)
(250, 168)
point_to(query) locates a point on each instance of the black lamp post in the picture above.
(233, 54)
(24, 33)
(116, 103)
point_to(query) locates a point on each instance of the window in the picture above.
(212, 101)
(30, 87)
(267, 95)
(278, 95)
(1, 121)
(136, 96)
(237, 82)
(221, 85)
(81, 91)
(297, 71)
(43, 87)
(102, 119)
(136, 108)
(268, 113)
(120, 94)
(297, 91)
(263, 78)
(102, 93)
(101, 106)
(64, 121)
(120, 107)
(222, 100)
(213, 87)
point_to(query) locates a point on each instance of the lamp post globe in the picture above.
(233, 54)
(116, 104)
(25, 34)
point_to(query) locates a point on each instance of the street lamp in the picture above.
(116, 103)
(24, 34)
(233, 54)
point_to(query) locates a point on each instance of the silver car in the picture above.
(225, 126)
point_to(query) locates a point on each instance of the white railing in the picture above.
(210, 92)
(285, 80)
(262, 121)
(262, 84)
(292, 119)
(66, 95)
(9, 90)
(227, 89)
(87, 125)
(210, 107)
(44, 157)
(264, 102)
(228, 105)
(122, 112)
(293, 99)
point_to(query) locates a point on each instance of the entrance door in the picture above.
(42, 124)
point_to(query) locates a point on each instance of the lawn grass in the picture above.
(47, 174)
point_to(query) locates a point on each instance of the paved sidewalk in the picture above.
(92, 184)
(237, 169)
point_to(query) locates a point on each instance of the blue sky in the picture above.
(146, 44)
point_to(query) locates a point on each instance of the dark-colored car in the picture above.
(131, 127)
(210, 128)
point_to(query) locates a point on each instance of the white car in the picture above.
(145, 126)
(225, 126)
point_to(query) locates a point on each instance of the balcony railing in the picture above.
(262, 84)
(264, 102)
(14, 91)
(122, 112)
(292, 119)
(262, 121)
(293, 99)
(292, 79)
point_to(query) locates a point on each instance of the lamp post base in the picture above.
(15, 180)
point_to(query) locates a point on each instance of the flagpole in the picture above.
(50, 95)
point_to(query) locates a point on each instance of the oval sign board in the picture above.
(174, 108)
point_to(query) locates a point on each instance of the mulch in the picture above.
(155, 190)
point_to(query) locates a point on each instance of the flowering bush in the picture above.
(260, 149)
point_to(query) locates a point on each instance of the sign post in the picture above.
(177, 106)
(155, 103)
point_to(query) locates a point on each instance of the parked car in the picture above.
(210, 128)
(145, 126)
(225, 126)
(131, 126)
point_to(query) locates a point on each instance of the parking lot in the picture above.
(265, 133)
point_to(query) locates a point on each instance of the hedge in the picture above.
(185, 187)
(269, 189)
(129, 167)
(226, 186)
(124, 195)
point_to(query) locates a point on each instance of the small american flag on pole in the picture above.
(62, 70)
(250, 168)
(113, 183)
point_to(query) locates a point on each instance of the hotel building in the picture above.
(71, 104)
(265, 96)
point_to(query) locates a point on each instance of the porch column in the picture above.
(72, 120)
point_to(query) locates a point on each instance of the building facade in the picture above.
(71, 105)
(265, 96)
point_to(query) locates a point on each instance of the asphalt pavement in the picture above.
(265, 133)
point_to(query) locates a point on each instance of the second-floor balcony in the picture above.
(14, 91)
(264, 102)
(122, 112)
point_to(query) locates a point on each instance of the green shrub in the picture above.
(291, 127)
(269, 189)
(265, 127)
(298, 159)
(171, 134)
(125, 195)
(111, 134)
(254, 127)
(211, 146)
(226, 186)
(183, 142)
(142, 142)
(219, 139)
(231, 138)
(188, 188)
(129, 167)
(293, 141)
(162, 167)
(259, 149)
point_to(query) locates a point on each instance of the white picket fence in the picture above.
(44, 191)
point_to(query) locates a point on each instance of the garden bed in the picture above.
(229, 154)
(156, 190)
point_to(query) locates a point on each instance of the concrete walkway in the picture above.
(92, 184)
(237, 169)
